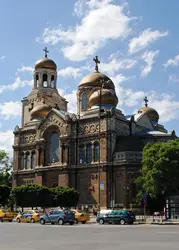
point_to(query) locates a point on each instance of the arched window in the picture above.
(33, 160)
(54, 148)
(89, 153)
(27, 164)
(37, 80)
(45, 83)
(22, 161)
(84, 101)
(53, 82)
(81, 154)
(96, 152)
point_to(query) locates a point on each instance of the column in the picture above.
(49, 80)
(37, 157)
(25, 167)
(92, 153)
(61, 155)
(42, 156)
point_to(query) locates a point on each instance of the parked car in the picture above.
(117, 216)
(28, 216)
(80, 216)
(6, 215)
(58, 217)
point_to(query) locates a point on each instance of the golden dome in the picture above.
(95, 79)
(108, 97)
(151, 113)
(41, 110)
(46, 63)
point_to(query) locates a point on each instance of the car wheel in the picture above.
(122, 222)
(60, 222)
(130, 223)
(71, 222)
(83, 222)
(76, 221)
(101, 221)
(10, 220)
(52, 223)
(42, 221)
(32, 220)
(18, 220)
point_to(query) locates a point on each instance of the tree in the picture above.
(64, 196)
(5, 169)
(160, 170)
(4, 194)
(31, 195)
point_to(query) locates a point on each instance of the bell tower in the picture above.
(44, 95)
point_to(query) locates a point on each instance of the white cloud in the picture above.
(149, 58)
(94, 30)
(172, 62)
(2, 58)
(72, 101)
(25, 69)
(146, 38)
(70, 72)
(116, 64)
(6, 141)
(121, 78)
(18, 83)
(173, 79)
(10, 110)
(165, 105)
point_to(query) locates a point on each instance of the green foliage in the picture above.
(5, 169)
(31, 195)
(64, 196)
(160, 170)
(4, 194)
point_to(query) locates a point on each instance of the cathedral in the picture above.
(97, 151)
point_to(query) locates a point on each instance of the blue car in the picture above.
(59, 217)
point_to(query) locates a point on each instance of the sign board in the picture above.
(101, 185)
(144, 196)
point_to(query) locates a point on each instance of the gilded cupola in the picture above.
(96, 89)
(150, 112)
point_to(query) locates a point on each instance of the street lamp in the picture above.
(99, 136)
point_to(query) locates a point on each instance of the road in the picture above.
(88, 237)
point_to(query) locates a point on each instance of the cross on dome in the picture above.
(96, 62)
(46, 51)
(146, 101)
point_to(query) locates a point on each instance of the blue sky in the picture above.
(137, 43)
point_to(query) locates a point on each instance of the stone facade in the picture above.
(98, 153)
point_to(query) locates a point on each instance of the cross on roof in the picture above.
(96, 62)
(146, 101)
(46, 51)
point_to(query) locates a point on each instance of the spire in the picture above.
(146, 101)
(96, 62)
(46, 51)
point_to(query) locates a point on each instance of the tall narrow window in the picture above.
(22, 161)
(27, 160)
(37, 81)
(84, 101)
(33, 159)
(89, 153)
(54, 148)
(45, 83)
(53, 82)
(81, 154)
(96, 152)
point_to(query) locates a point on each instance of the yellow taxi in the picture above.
(28, 216)
(6, 215)
(82, 217)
